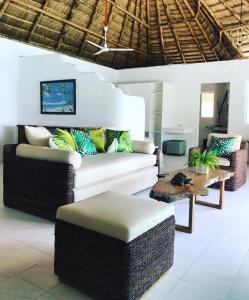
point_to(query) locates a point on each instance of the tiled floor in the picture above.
(212, 263)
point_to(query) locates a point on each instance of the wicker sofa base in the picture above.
(110, 269)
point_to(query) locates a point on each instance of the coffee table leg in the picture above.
(221, 198)
(190, 227)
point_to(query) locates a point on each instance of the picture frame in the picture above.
(58, 97)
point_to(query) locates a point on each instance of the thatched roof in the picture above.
(160, 31)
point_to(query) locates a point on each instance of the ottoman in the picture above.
(174, 147)
(113, 246)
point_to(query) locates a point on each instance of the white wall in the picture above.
(99, 103)
(187, 80)
(8, 98)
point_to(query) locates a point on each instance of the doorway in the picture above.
(214, 109)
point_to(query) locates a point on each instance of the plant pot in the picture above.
(201, 169)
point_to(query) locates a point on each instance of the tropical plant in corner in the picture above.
(204, 161)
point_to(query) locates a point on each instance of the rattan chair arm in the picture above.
(238, 159)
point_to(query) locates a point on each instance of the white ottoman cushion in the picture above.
(116, 215)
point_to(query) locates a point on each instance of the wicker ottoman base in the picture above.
(108, 268)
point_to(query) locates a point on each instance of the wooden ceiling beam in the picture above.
(201, 28)
(228, 7)
(91, 19)
(167, 11)
(148, 31)
(4, 7)
(139, 39)
(118, 6)
(27, 4)
(131, 36)
(69, 17)
(161, 33)
(212, 19)
(122, 30)
(191, 30)
(122, 9)
(37, 21)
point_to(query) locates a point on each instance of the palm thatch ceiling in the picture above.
(160, 31)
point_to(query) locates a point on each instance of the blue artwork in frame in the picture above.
(58, 97)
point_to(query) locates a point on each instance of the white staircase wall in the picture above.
(99, 103)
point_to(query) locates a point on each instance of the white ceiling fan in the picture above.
(105, 48)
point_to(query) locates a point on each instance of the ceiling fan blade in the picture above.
(94, 44)
(121, 49)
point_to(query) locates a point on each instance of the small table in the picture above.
(163, 190)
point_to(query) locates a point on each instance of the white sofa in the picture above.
(39, 179)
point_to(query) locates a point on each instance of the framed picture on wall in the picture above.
(58, 97)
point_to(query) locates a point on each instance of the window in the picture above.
(207, 105)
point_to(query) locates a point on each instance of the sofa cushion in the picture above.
(104, 166)
(37, 136)
(45, 153)
(119, 216)
(236, 145)
(224, 162)
(143, 147)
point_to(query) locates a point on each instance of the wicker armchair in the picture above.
(238, 165)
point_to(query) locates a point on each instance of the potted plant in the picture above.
(203, 161)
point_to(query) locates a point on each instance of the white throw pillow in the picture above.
(37, 136)
(143, 147)
(45, 153)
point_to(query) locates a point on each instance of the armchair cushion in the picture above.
(224, 162)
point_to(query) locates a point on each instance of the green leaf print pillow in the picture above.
(56, 142)
(123, 138)
(221, 146)
(84, 142)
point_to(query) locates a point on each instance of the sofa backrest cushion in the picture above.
(236, 144)
(143, 147)
(45, 153)
(37, 136)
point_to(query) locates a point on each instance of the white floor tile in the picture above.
(240, 289)
(161, 288)
(19, 288)
(48, 297)
(19, 260)
(64, 292)
(41, 275)
(187, 291)
(210, 277)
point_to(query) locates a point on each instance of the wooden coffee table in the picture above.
(163, 190)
